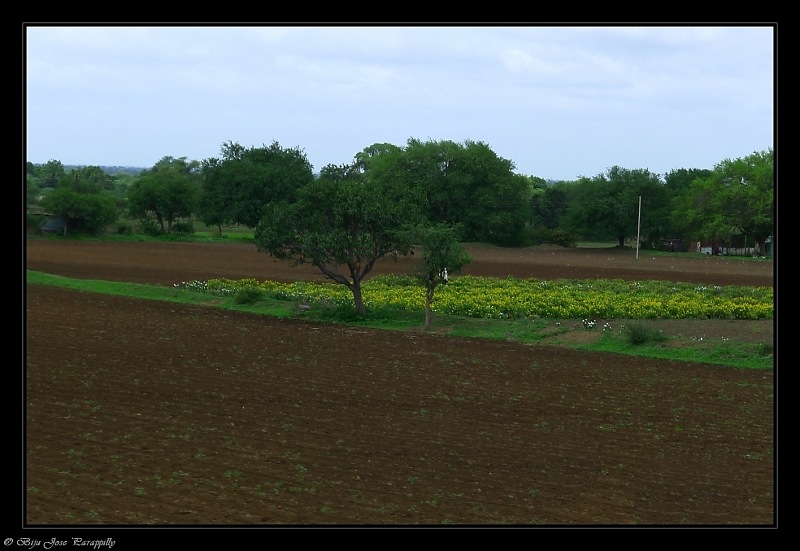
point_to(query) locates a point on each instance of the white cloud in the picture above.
(555, 99)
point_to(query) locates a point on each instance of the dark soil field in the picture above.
(142, 413)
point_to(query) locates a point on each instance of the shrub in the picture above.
(124, 228)
(183, 227)
(339, 313)
(33, 223)
(639, 333)
(248, 295)
(546, 236)
(150, 227)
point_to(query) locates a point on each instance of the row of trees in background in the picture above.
(462, 185)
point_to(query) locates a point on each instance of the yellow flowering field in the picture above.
(512, 298)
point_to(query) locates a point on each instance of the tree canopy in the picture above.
(469, 185)
(80, 202)
(169, 190)
(237, 187)
(442, 256)
(608, 204)
(738, 196)
(464, 185)
(340, 226)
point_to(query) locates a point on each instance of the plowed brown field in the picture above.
(147, 413)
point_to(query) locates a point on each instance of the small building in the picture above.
(53, 224)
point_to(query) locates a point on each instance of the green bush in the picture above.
(546, 236)
(183, 227)
(639, 333)
(338, 313)
(248, 295)
(33, 223)
(150, 227)
(124, 228)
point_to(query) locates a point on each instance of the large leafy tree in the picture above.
(237, 187)
(608, 205)
(32, 190)
(738, 196)
(216, 204)
(341, 226)
(678, 181)
(442, 256)
(80, 201)
(169, 191)
(50, 174)
(468, 184)
(549, 205)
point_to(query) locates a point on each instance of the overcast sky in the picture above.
(560, 102)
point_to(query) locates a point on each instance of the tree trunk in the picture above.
(428, 301)
(358, 299)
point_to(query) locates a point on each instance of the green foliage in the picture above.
(452, 183)
(79, 201)
(150, 227)
(638, 333)
(609, 205)
(125, 228)
(50, 174)
(468, 185)
(341, 227)
(736, 197)
(33, 223)
(183, 227)
(237, 187)
(248, 295)
(442, 257)
(167, 191)
(32, 190)
(545, 236)
(548, 206)
(338, 313)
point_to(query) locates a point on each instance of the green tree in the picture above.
(169, 190)
(50, 173)
(608, 205)
(680, 180)
(442, 257)
(80, 202)
(469, 185)
(737, 197)
(342, 227)
(216, 203)
(32, 190)
(678, 184)
(237, 187)
(549, 205)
